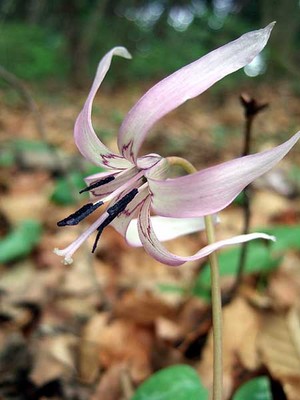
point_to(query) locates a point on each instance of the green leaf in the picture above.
(30, 145)
(287, 237)
(240, 199)
(20, 241)
(170, 288)
(180, 382)
(9, 151)
(67, 188)
(259, 259)
(7, 158)
(256, 389)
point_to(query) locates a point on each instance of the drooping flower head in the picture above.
(135, 186)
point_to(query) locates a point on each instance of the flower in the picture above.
(134, 186)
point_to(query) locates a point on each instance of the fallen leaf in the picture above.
(240, 329)
(125, 341)
(279, 345)
(89, 362)
(142, 307)
(54, 358)
(110, 387)
(284, 284)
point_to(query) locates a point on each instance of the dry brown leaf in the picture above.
(167, 329)
(27, 199)
(89, 362)
(54, 358)
(194, 313)
(279, 345)
(110, 385)
(284, 284)
(125, 341)
(142, 307)
(240, 328)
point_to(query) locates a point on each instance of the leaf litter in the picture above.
(100, 328)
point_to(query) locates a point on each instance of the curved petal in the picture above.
(166, 228)
(85, 137)
(184, 84)
(212, 189)
(153, 246)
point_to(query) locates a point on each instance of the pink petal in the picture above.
(153, 246)
(187, 83)
(85, 137)
(212, 189)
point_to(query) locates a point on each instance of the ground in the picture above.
(98, 328)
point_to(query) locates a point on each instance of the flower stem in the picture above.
(215, 294)
(216, 313)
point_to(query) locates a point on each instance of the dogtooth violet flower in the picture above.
(136, 187)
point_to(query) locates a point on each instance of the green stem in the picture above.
(216, 313)
(215, 294)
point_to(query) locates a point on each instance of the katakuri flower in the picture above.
(136, 186)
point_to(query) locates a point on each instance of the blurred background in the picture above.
(56, 40)
(98, 329)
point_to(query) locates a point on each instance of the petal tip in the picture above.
(264, 33)
(122, 52)
(268, 29)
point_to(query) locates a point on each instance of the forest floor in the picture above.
(100, 327)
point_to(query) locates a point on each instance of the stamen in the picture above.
(97, 184)
(122, 203)
(113, 212)
(124, 187)
(80, 214)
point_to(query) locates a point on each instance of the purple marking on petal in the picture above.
(127, 151)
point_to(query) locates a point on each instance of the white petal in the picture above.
(166, 228)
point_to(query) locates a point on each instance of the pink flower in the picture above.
(133, 186)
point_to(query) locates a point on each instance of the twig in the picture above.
(251, 109)
(20, 87)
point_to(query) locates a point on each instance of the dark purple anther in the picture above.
(80, 214)
(97, 184)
